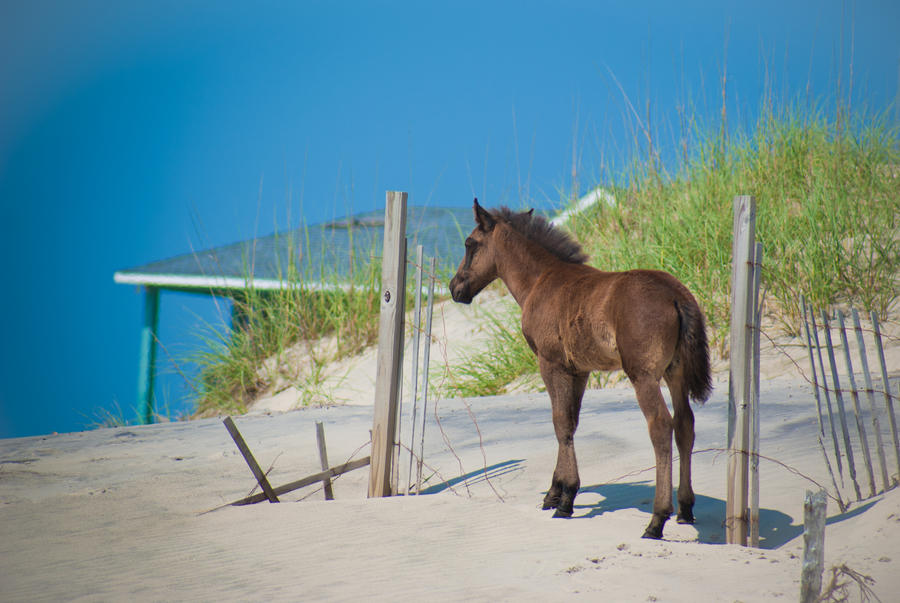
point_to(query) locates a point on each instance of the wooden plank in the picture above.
(812, 365)
(258, 473)
(834, 438)
(886, 385)
(870, 394)
(839, 399)
(857, 413)
(395, 462)
(756, 315)
(306, 481)
(390, 340)
(417, 317)
(739, 371)
(426, 361)
(814, 506)
(323, 460)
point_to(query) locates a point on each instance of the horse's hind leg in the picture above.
(659, 424)
(566, 390)
(684, 439)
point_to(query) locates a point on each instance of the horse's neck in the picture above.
(521, 262)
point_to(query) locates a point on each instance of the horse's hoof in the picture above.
(655, 529)
(550, 503)
(685, 517)
(563, 514)
(653, 533)
(685, 512)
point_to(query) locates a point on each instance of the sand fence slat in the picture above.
(886, 385)
(323, 460)
(857, 413)
(870, 394)
(820, 436)
(839, 398)
(825, 391)
(258, 473)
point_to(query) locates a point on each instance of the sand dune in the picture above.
(128, 513)
(120, 514)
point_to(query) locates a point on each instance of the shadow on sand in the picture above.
(775, 528)
(479, 475)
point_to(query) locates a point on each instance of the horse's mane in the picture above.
(539, 230)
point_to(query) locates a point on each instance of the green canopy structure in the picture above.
(318, 256)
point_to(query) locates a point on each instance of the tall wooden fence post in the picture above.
(743, 247)
(390, 345)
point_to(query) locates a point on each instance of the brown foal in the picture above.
(578, 319)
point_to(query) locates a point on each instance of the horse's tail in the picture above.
(693, 351)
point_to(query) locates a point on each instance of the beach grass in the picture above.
(827, 187)
(249, 352)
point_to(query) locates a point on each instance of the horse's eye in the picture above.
(470, 243)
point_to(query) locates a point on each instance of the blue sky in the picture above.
(131, 132)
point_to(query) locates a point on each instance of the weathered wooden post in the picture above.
(323, 460)
(739, 381)
(390, 345)
(813, 546)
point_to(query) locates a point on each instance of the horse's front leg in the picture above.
(566, 389)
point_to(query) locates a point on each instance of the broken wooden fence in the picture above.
(272, 493)
(832, 418)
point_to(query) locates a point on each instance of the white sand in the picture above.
(118, 514)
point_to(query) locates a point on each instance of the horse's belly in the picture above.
(594, 357)
(576, 338)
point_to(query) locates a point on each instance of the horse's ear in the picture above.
(483, 218)
(530, 212)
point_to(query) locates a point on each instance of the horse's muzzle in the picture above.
(459, 291)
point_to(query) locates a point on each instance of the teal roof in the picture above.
(322, 255)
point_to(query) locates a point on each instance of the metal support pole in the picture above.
(147, 358)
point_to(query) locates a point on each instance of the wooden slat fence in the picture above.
(850, 442)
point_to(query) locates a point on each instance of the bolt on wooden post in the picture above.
(390, 345)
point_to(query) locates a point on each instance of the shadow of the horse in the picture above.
(775, 528)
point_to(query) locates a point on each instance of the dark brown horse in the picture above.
(578, 319)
